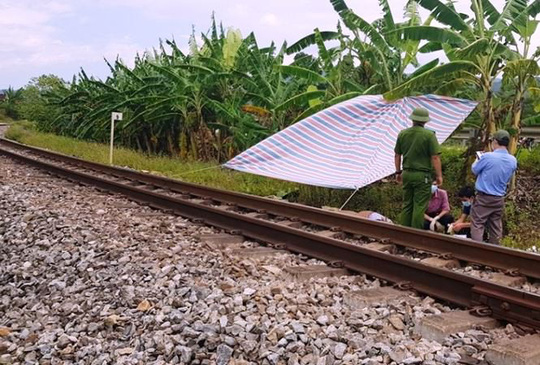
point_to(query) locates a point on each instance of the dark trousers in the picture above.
(487, 212)
(465, 231)
(416, 195)
(445, 220)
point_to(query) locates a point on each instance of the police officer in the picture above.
(420, 150)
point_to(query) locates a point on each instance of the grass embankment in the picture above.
(384, 197)
(4, 119)
(209, 174)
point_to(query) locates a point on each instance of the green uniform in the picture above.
(417, 145)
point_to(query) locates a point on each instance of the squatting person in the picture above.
(493, 171)
(437, 216)
(420, 150)
(463, 224)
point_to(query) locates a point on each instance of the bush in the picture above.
(529, 160)
(33, 104)
(520, 227)
(453, 165)
(20, 130)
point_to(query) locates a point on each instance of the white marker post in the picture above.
(114, 117)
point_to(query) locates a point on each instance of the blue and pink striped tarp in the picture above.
(349, 145)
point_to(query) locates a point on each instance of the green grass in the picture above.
(209, 174)
(384, 197)
(4, 118)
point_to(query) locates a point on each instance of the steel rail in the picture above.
(525, 263)
(501, 302)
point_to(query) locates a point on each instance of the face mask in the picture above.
(434, 189)
(466, 204)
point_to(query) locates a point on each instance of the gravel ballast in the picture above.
(91, 278)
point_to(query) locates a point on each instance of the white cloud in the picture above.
(42, 36)
(160, 9)
(239, 9)
(32, 41)
(270, 19)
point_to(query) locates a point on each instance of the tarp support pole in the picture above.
(194, 171)
(348, 200)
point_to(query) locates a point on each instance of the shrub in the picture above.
(529, 160)
(20, 130)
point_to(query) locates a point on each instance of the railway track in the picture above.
(389, 252)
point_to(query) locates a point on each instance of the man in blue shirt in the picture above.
(493, 171)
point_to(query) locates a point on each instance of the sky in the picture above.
(61, 36)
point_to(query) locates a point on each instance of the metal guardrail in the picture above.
(526, 132)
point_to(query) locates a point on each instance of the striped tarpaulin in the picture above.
(349, 145)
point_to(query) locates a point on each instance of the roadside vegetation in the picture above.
(384, 197)
(187, 111)
(4, 118)
(206, 173)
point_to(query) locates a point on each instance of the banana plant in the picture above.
(384, 51)
(381, 57)
(477, 49)
(521, 73)
(332, 80)
(267, 88)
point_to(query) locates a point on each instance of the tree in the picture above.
(521, 73)
(12, 98)
(477, 49)
(208, 104)
(33, 104)
(387, 55)
(371, 60)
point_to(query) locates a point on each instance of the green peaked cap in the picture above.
(501, 135)
(420, 115)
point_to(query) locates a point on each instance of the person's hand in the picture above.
(399, 178)
(439, 181)
(433, 224)
(458, 226)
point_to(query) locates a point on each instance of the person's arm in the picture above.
(459, 225)
(478, 166)
(461, 218)
(435, 151)
(441, 214)
(427, 217)
(436, 162)
(397, 158)
(397, 162)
